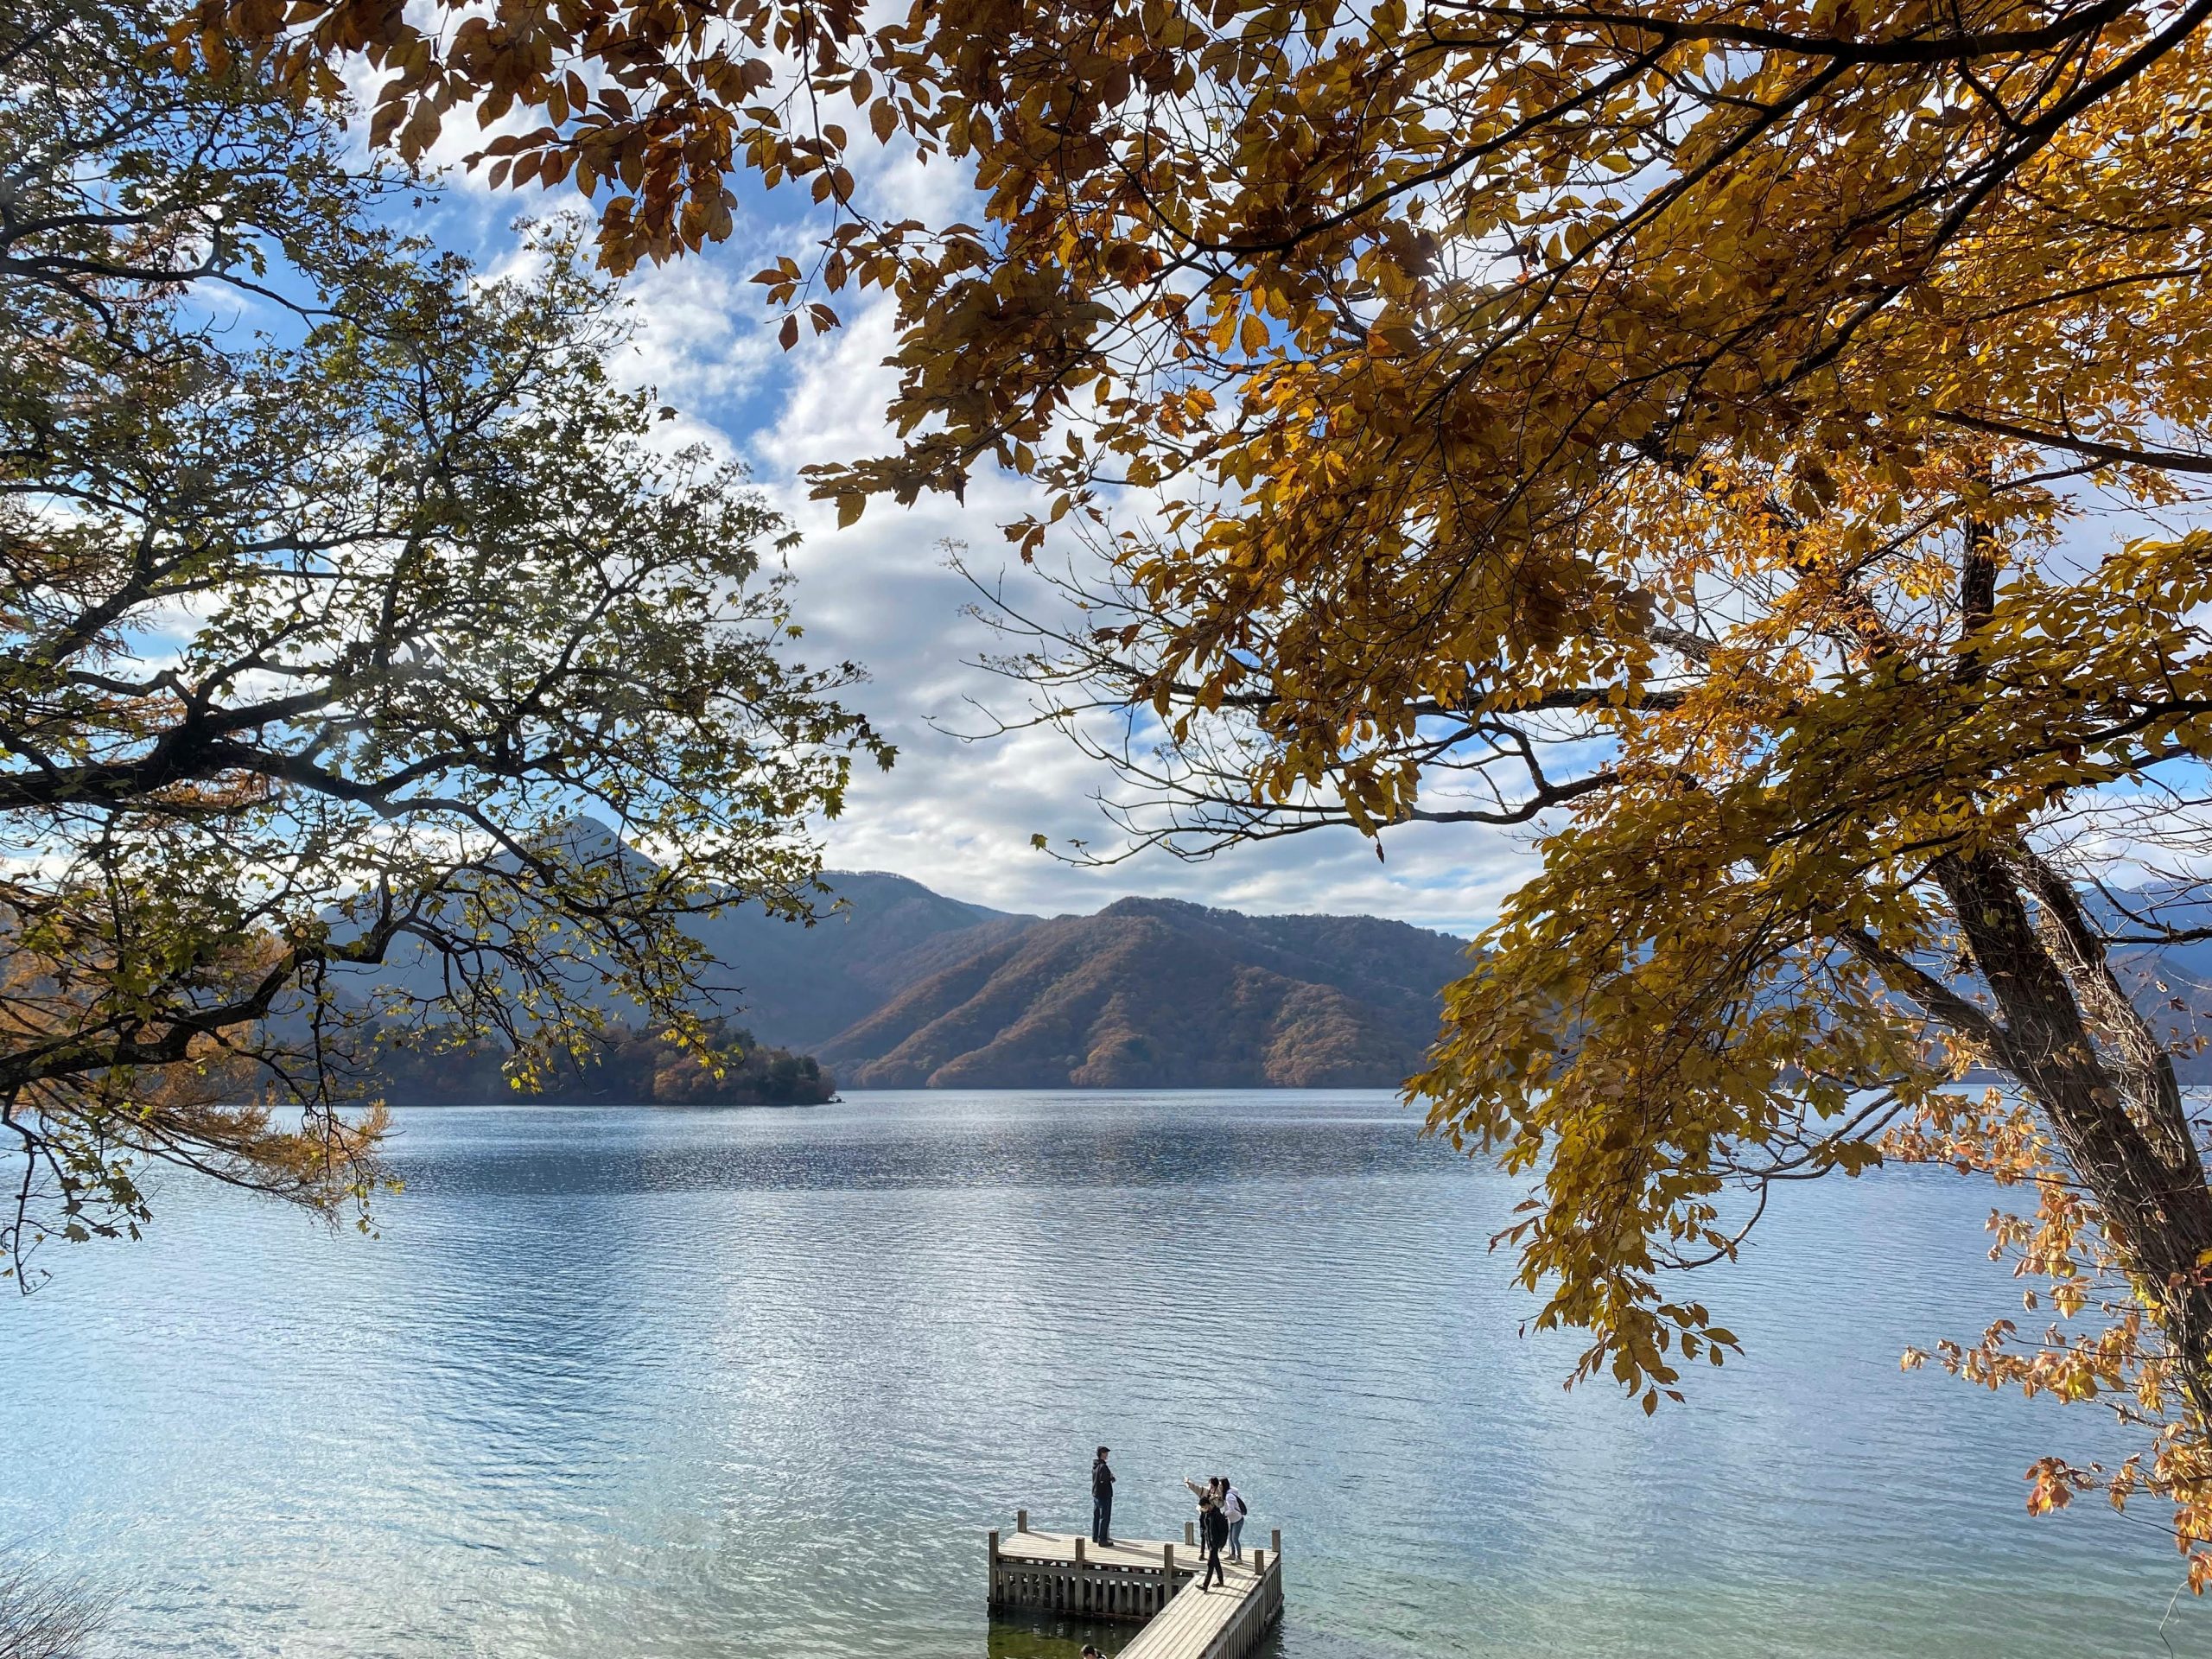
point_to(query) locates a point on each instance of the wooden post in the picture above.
(1078, 1555)
(1191, 1534)
(1274, 1541)
(1167, 1565)
(1021, 1520)
(994, 1545)
(1259, 1563)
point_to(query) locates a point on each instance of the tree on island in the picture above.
(718, 1064)
(1743, 442)
(340, 579)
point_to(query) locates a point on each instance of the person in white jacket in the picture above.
(1233, 1510)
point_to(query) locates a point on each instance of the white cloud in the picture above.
(701, 338)
(957, 816)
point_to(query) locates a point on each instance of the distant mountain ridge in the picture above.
(896, 985)
(800, 985)
(907, 988)
(1156, 993)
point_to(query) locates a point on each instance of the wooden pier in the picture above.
(1154, 1583)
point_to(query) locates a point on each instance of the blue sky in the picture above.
(957, 816)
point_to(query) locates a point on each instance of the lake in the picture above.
(677, 1383)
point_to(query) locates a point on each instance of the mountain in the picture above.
(2170, 982)
(799, 986)
(895, 985)
(1154, 993)
(796, 983)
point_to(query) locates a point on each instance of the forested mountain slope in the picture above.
(1155, 993)
(895, 985)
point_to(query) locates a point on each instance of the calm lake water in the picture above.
(683, 1383)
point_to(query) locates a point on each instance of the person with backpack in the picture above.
(1233, 1511)
(1213, 1532)
(1101, 1500)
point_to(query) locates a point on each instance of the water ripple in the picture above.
(674, 1384)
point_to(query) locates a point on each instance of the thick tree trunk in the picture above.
(2104, 1083)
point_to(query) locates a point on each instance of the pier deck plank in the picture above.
(1196, 1620)
(1225, 1622)
(1059, 1548)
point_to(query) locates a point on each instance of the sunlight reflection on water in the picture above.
(753, 1383)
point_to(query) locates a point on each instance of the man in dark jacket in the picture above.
(1101, 1500)
(1213, 1532)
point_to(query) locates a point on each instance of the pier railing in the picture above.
(1148, 1582)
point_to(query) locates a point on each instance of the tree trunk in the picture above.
(2114, 1105)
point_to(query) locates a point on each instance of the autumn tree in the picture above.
(338, 581)
(1752, 444)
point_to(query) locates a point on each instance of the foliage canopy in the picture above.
(1743, 440)
(336, 580)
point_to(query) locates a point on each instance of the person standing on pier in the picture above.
(1101, 1500)
(1211, 1490)
(1213, 1532)
(1233, 1511)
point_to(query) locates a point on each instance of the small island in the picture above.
(633, 1067)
